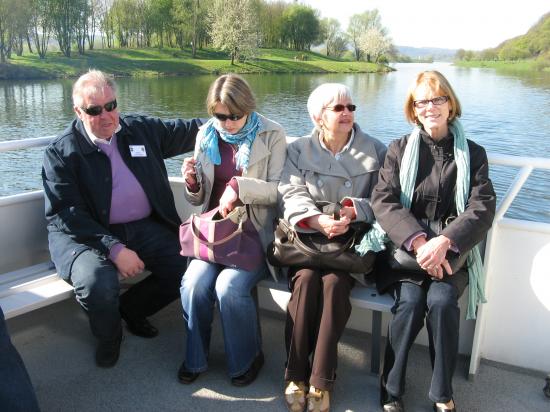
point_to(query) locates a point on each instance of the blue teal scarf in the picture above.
(244, 139)
(376, 237)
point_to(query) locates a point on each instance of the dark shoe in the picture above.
(107, 352)
(186, 376)
(139, 326)
(389, 403)
(248, 377)
(440, 409)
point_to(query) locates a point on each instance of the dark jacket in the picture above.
(434, 199)
(77, 182)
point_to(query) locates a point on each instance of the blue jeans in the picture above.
(437, 302)
(203, 285)
(16, 391)
(96, 284)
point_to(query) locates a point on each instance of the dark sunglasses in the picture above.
(436, 101)
(223, 117)
(341, 107)
(97, 110)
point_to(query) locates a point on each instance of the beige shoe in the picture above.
(318, 400)
(295, 396)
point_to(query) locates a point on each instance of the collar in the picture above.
(345, 148)
(96, 140)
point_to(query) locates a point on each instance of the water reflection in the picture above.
(507, 114)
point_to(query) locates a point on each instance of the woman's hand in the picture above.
(188, 171)
(430, 255)
(227, 201)
(329, 226)
(349, 212)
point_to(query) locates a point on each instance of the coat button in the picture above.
(320, 183)
(103, 211)
(347, 184)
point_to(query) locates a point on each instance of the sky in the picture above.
(458, 24)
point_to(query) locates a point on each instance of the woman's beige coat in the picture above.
(258, 186)
(313, 174)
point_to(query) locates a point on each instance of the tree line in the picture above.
(238, 27)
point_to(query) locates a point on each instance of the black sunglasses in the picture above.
(341, 107)
(223, 117)
(97, 110)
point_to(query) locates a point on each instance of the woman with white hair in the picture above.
(338, 163)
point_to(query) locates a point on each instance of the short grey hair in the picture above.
(323, 96)
(90, 84)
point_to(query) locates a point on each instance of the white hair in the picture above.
(323, 96)
(91, 83)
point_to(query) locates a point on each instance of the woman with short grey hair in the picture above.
(338, 163)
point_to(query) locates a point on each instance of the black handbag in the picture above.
(316, 251)
(403, 261)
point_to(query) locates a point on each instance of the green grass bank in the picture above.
(152, 62)
(531, 65)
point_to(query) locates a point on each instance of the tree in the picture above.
(65, 16)
(234, 28)
(332, 36)
(40, 26)
(360, 24)
(270, 17)
(300, 27)
(373, 44)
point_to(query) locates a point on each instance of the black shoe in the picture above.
(250, 375)
(186, 376)
(389, 403)
(440, 409)
(107, 352)
(139, 326)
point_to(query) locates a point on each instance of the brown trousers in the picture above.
(317, 313)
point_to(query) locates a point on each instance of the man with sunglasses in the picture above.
(111, 211)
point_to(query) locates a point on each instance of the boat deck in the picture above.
(57, 347)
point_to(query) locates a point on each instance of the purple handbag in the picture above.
(231, 241)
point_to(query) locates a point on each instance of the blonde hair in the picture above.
(232, 91)
(91, 83)
(323, 96)
(440, 86)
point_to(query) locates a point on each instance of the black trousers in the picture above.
(437, 303)
(96, 284)
(317, 313)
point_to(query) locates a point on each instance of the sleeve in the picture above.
(398, 222)
(67, 210)
(470, 227)
(264, 192)
(176, 136)
(297, 201)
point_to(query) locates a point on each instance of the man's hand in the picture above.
(430, 255)
(128, 263)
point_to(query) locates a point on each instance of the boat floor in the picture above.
(58, 349)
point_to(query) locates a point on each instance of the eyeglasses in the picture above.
(436, 101)
(341, 107)
(97, 110)
(224, 117)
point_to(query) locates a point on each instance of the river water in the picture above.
(506, 113)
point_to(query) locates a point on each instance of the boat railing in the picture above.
(496, 249)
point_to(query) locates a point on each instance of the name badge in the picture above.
(137, 150)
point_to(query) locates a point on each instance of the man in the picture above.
(16, 391)
(111, 211)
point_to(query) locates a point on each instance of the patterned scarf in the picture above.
(243, 138)
(376, 237)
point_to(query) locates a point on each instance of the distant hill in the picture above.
(437, 54)
(534, 43)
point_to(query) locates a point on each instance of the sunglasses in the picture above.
(436, 101)
(342, 107)
(223, 117)
(97, 110)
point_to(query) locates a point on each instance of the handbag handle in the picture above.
(195, 233)
(295, 238)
